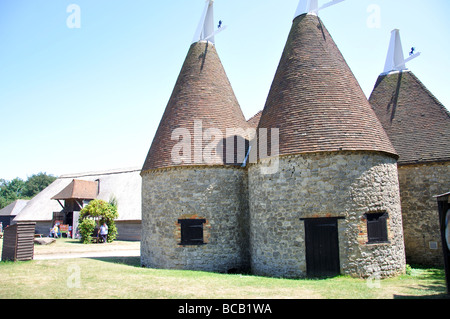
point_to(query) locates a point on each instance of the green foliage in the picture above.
(113, 201)
(86, 228)
(15, 189)
(36, 183)
(408, 270)
(101, 212)
(11, 191)
(112, 232)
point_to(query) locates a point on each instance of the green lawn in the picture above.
(123, 278)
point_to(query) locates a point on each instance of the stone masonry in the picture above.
(419, 183)
(336, 162)
(340, 184)
(216, 194)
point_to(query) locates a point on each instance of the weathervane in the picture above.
(312, 6)
(395, 60)
(205, 30)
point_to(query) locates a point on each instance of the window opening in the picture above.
(377, 231)
(192, 232)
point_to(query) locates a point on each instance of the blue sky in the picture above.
(91, 98)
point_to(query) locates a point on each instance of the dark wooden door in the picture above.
(322, 247)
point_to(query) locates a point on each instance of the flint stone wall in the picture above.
(217, 194)
(342, 184)
(419, 183)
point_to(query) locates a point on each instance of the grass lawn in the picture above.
(123, 278)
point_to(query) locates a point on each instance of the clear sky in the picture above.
(91, 98)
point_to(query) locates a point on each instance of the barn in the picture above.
(8, 213)
(68, 194)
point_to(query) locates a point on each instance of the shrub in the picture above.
(408, 270)
(86, 228)
(101, 212)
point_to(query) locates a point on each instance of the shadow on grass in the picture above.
(430, 273)
(128, 261)
(438, 296)
(435, 278)
(437, 289)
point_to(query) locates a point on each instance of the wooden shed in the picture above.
(18, 242)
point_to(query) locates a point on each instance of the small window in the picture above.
(377, 231)
(191, 231)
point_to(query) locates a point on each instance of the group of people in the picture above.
(103, 232)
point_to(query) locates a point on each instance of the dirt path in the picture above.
(118, 253)
(67, 249)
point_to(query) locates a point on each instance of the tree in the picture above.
(94, 214)
(11, 191)
(36, 183)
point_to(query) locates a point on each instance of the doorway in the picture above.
(322, 247)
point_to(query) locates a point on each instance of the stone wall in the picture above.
(342, 184)
(418, 185)
(216, 194)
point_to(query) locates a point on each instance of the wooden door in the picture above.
(322, 247)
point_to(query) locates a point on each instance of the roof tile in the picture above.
(416, 122)
(204, 93)
(315, 100)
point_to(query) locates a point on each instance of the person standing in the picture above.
(54, 231)
(104, 232)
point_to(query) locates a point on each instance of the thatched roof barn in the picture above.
(123, 184)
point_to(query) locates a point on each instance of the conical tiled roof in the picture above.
(315, 100)
(203, 94)
(254, 120)
(417, 123)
